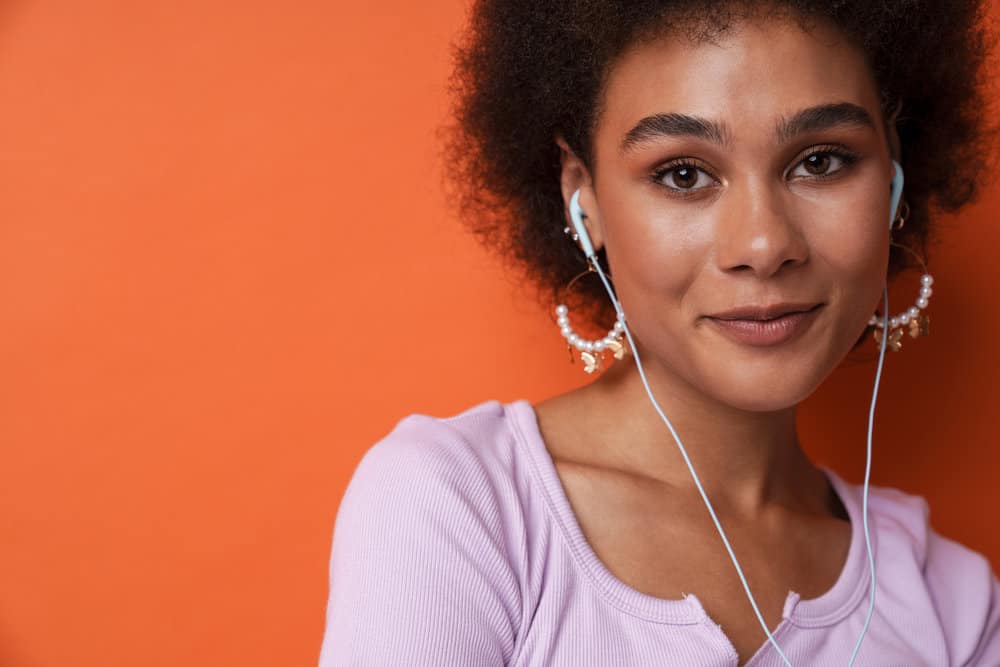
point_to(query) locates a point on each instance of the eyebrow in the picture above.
(659, 125)
(820, 117)
(823, 117)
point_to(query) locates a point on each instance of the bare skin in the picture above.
(752, 221)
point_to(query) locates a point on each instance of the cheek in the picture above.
(654, 254)
(854, 250)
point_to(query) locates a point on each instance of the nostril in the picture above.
(790, 260)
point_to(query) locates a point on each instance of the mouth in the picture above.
(764, 313)
(764, 326)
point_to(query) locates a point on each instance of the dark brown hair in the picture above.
(527, 70)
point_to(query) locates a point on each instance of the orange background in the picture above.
(227, 268)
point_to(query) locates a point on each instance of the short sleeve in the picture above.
(966, 594)
(420, 572)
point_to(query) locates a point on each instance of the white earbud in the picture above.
(896, 190)
(576, 214)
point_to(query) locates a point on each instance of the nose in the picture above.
(757, 233)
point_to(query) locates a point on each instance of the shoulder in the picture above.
(442, 474)
(447, 483)
(905, 520)
(428, 535)
(958, 581)
(428, 455)
(904, 528)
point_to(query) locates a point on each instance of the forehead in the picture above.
(759, 71)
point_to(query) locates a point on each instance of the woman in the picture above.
(720, 177)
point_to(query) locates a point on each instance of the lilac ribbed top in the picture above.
(455, 545)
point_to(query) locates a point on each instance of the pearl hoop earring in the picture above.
(592, 352)
(916, 323)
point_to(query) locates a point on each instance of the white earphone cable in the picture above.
(868, 470)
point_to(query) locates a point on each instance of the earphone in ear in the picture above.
(896, 190)
(576, 214)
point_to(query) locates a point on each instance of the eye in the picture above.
(821, 163)
(683, 176)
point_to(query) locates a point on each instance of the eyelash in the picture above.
(846, 157)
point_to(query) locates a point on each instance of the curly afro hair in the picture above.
(527, 71)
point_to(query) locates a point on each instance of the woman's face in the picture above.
(749, 172)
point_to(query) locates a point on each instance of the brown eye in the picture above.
(817, 164)
(824, 163)
(685, 177)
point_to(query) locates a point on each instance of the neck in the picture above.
(746, 461)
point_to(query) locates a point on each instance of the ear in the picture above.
(892, 135)
(575, 175)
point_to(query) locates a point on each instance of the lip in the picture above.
(763, 312)
(768, 325)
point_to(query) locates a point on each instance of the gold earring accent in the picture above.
(901, 215)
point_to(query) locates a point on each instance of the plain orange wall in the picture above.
(227, 268)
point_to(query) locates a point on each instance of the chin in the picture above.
(762, 398)
(767, 385)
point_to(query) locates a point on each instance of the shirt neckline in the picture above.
(829, 608)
